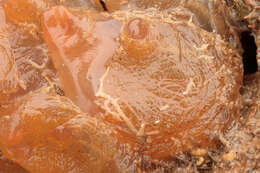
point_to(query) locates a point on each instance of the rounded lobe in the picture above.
(169, 86)
(138, 38)
(178, 98)
(47, 134)
(9, 75)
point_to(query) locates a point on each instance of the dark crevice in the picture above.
(102, 2)
(249, 54)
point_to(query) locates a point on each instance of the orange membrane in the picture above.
(163, 80)
(136, 85)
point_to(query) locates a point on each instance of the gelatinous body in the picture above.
(23, 48)
(9, 76)
(87, 44)
(140, 86)
(48, 134)
(166, 85)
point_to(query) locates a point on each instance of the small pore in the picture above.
(138, 38)
(249, 54)
(137, 29)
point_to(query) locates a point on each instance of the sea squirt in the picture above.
(165, 84)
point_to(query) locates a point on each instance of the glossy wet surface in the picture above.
(123, 91)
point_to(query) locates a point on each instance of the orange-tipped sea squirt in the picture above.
(166, 85)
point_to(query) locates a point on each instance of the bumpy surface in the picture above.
(47, 133)
(9, 77)
(24, 52)
(243, 141)
(131, 89)
(155, 79)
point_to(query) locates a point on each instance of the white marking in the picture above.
(118, 113)
(189, 87)
(163, 108)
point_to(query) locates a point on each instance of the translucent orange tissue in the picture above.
(164, 84)
(133, 85)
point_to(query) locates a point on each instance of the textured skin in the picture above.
(25, 50)
(148, 78)
(48, 134)
(145, 85)
(9, 77)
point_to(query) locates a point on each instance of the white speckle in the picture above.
(7, 117)
(203, 47)
(163, 108)
(118, 112)
(189, 87)
(190, 20)
(35, 65)
(157, 121)
(22, 84)
(206, 57)
(141, 130)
